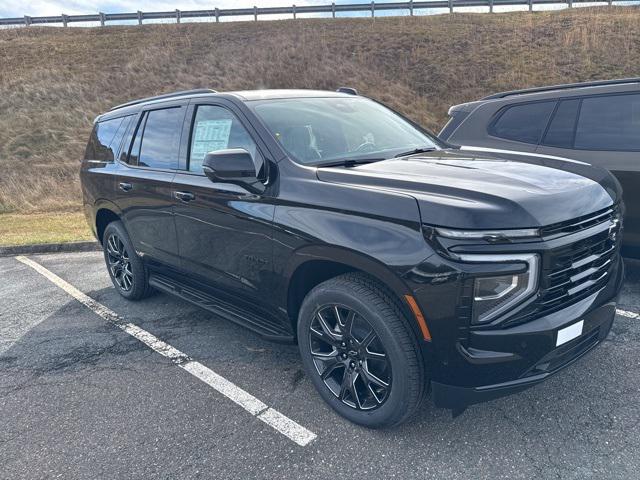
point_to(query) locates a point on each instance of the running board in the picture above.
(263, 326)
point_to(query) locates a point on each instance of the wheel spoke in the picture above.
(329, 335)
(371, 378)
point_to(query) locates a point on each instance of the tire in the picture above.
(126, 269)
(375, 312)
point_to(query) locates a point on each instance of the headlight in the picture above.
(494, 295)
(490, 235)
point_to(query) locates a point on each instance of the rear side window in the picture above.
(562, 128)
(157, 139)
(523, 123)
(609, 122)
(106, 138)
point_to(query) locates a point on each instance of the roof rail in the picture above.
(166, 95)
(565, 86)
(347, 90)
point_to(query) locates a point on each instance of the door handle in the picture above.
(125, 187)
(184, 196)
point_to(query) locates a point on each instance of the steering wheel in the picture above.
(366, 147)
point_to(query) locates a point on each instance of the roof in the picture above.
(567, 86)
(249, 95)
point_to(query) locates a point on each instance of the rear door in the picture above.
(224, 230)
(144, 179)
(603, 130)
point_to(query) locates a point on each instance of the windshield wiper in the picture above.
(415, 151)
(348, 163)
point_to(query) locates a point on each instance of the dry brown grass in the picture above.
(54, 81)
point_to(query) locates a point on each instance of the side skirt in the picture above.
(264, 326)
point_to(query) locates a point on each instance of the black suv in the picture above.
(593, 122)
(397, 263)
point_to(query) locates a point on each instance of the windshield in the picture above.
(316, 131)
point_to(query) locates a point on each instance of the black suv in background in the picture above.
(396, 263)
(593, 122)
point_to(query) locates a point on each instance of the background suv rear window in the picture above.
(562, 127)
(523, 123)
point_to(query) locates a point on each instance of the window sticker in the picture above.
(209, 136)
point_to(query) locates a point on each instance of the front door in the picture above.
(224, 231)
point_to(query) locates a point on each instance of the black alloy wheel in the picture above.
(126, 269)
(119, 263)
(360, 352)
(349, 357)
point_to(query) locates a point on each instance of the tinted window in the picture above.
(523, 123)
(105, 140)
(134, 154)
(216, 128)
(562, 127)
(160, 140)
(609, 123)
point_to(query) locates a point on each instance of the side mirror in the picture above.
(233, 165)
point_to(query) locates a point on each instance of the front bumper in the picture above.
(471, 365)
(539, 335)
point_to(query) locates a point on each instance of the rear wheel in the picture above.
(359, 352)
(126, 269)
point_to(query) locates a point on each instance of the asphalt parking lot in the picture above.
(82, 398)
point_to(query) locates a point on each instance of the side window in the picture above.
(106, 138)
(562, 126)
(523, 123)
(609, 123)
(134, 153)
(216, 128)
(157, 139)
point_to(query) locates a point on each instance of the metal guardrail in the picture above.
(293, 10)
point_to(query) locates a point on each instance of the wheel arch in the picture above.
(313, 265)
(106, 212)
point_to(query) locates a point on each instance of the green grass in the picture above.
(29, 229)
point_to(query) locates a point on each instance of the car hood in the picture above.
(487, 189)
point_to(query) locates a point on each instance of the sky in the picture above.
(19, 8)
(35, 8)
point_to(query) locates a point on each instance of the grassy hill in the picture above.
(54, 81)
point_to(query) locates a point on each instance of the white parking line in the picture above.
(625, 313)
(251, 404)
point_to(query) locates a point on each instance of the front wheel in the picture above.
(359, 352)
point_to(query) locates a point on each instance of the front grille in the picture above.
(580, 223)
(577, 269)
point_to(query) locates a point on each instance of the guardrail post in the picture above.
(139, 17)
(102, 19)
(294, 12)
(490, 6)
(531, 5)
(411, 8)
(570, 3)
(333, 9)
(373, 9)
(217, 12)
(450, 6)
(178, 15)
(65, 20)
(610, 2)
(27, 20)
(255, 13)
